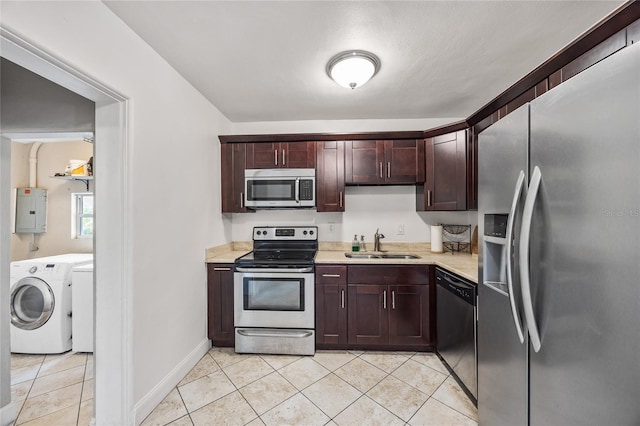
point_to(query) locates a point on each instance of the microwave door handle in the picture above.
(297, 190)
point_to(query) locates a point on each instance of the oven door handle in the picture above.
(273, 270)
(274, 333)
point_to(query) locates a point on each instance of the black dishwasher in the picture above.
(456, 327)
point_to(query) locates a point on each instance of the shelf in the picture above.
(85, 179)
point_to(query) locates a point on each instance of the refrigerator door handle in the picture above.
(517, 194)
(525, 277)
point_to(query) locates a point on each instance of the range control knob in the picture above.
(33, 269)
(304, 232)
(311, 232)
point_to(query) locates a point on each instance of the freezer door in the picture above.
(502, 359)
(585, 247)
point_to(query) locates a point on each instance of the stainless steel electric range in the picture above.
(274, 308)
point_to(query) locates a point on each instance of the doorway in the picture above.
(112, 245)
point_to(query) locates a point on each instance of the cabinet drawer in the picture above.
(388, 274)
(333, 274)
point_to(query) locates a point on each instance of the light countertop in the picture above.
(462, 264)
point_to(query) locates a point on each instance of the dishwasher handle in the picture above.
(459, 287)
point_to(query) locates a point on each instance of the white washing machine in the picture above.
(41, 303)
(82, 320)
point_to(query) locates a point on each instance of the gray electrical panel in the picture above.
(31, 210)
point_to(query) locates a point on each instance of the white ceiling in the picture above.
(265, 60)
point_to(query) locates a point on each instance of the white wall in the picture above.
(172, 178)
(339, 126)
(367, 208)
(52, 159)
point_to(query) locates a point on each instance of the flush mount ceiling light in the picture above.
(353, 68)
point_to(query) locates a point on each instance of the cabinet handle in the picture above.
(388, 170)
(221, 269)
(340, 199)
(384, 299)
(331, 275)
(429, 198)
(283, 158)
(275, 156)
(342, 297)
(393, 299)
(381, 170)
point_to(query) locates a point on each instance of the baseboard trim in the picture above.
(150, 401)
(8, 414)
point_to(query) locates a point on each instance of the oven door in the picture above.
(271, 298)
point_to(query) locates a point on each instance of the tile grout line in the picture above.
(84, 373)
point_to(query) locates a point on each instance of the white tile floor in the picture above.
(52, 390)
(330, 388)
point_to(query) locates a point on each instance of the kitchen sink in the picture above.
(399, 256)
(381, 256)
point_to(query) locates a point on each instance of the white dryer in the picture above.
(82, 321)
(41, 303)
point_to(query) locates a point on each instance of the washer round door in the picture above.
(32, 303)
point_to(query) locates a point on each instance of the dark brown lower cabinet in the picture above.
(389, 315)
(220, 304)
(331, 306)
(390, 306)
(368, 315)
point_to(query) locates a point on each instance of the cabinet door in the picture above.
(330, 176)
(409, 315)
(445, 186)
(368, 316)
(403, 161)
(364, 162)
(220, 304)
(263, 155)
(297, 155)
(331, 305)
(292, 155)
(233, 156)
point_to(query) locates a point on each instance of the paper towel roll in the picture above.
(436, 238)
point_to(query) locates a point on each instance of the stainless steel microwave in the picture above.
(280, 188)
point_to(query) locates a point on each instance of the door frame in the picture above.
(113, 345)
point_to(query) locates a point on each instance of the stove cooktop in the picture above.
(283, 246)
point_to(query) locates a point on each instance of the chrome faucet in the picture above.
(376, 240)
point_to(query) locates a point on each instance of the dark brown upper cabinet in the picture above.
(445, 186)
(330, 176)
(233, 157)
(290, 155)
(376, 162)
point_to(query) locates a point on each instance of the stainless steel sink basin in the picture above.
(399, 256)
(381, 256)
(361, 256)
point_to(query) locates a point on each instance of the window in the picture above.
(82, 215)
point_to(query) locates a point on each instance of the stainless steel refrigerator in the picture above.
(559, 254)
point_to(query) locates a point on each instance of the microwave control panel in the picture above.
(306, 189)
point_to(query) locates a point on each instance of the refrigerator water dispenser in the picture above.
(495, 257)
